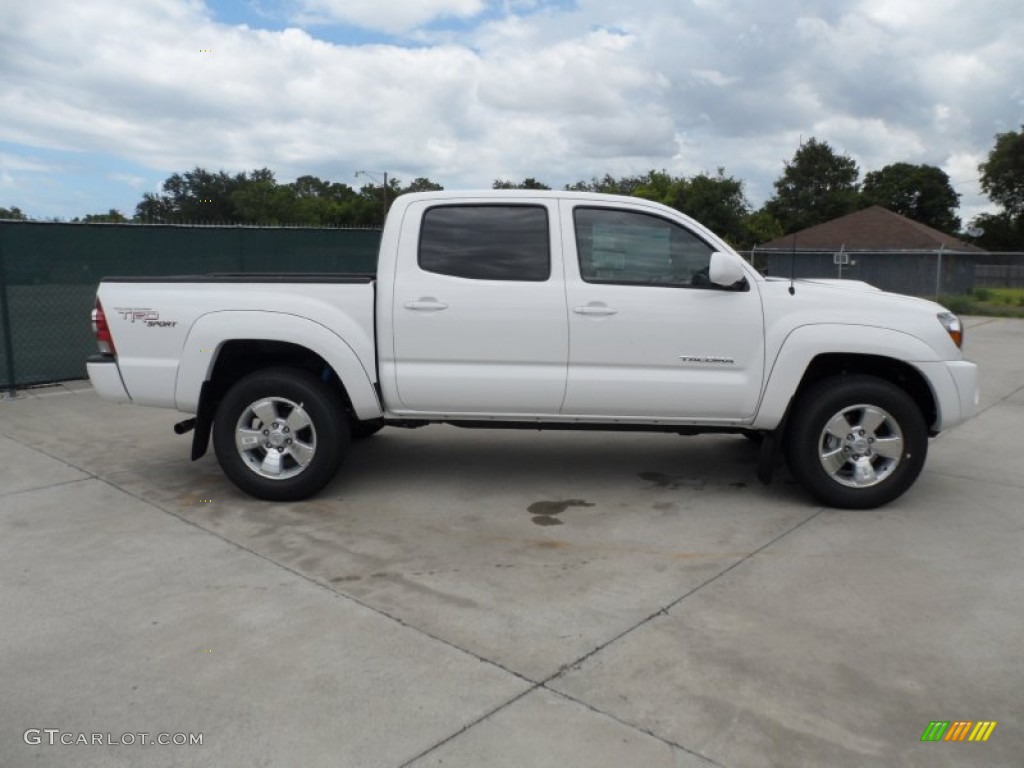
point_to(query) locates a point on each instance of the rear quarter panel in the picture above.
(154, 327)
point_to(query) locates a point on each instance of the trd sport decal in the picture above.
(149, 317)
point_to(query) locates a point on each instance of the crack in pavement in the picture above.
(533, 685)
(544, 684)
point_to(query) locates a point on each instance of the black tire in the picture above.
(310, 439)
(878, 458)
(364, 429)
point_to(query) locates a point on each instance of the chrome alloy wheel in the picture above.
(861, 446)
(275, 438)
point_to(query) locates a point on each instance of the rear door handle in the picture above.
(595, 309)
(426, 304)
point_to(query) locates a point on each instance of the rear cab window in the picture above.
(486, 242)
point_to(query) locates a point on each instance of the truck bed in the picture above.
(167, 330)
(252, 277)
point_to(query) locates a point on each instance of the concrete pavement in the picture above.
(465, 598)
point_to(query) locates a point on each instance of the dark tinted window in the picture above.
(486, 242)
(637, 248)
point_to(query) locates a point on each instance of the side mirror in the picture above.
(725, 270)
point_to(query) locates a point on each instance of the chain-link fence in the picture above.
(915, 273)
(1000, 270)
(49, 273)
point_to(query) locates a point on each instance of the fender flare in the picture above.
(211, 331)
(806, 342)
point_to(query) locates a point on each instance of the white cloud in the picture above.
(395, 16)
(556, 91)
(9, 162)
(908, 13)
(872, 141)
(134, 181)
(962, 169)
(714, 77)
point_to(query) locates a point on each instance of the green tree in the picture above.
(816, 186)
(919, 192)
(1002, 232)
(607, 185)
(717, 202)
(113, 216)
(761, 227)
(422, 184)
(325, 203)
(259, 199)
(527, 183)
(375, 203)
(1002, 174)
(198, 196)
(14, 212)
(657, 186)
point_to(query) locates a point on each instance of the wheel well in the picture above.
(241, 357)
(902, 374)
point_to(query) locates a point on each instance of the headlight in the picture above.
(953, 327)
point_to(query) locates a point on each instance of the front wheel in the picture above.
(280, 434)
(856, 442)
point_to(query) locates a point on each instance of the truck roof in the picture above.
(513, 194)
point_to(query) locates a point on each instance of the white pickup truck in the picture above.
(551, 310)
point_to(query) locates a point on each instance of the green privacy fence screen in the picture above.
(49, 273)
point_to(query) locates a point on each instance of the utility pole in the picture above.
(373, 175)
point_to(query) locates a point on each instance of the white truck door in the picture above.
(650, 337)
(479, 314)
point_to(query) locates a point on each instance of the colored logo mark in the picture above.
(958, 730)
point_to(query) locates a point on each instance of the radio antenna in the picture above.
(792, 267)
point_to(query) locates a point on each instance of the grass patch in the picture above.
(1011, 296)
(992, 302)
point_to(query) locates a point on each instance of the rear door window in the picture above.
(487, 242)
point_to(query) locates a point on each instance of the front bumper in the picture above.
(965, 378)
(106, 378)
(954, 384)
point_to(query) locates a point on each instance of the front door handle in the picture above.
(426, 304)
(599, 310)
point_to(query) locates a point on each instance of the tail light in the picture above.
(104, 340)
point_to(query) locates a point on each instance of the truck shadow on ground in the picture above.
(578, 464)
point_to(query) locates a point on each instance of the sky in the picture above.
(100, 101)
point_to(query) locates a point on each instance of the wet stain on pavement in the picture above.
(678, 482)
(672, 482)
(544, 512)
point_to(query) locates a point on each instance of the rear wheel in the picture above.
(280, 434)
(856, 442)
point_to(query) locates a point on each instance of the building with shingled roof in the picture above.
(879, 247)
